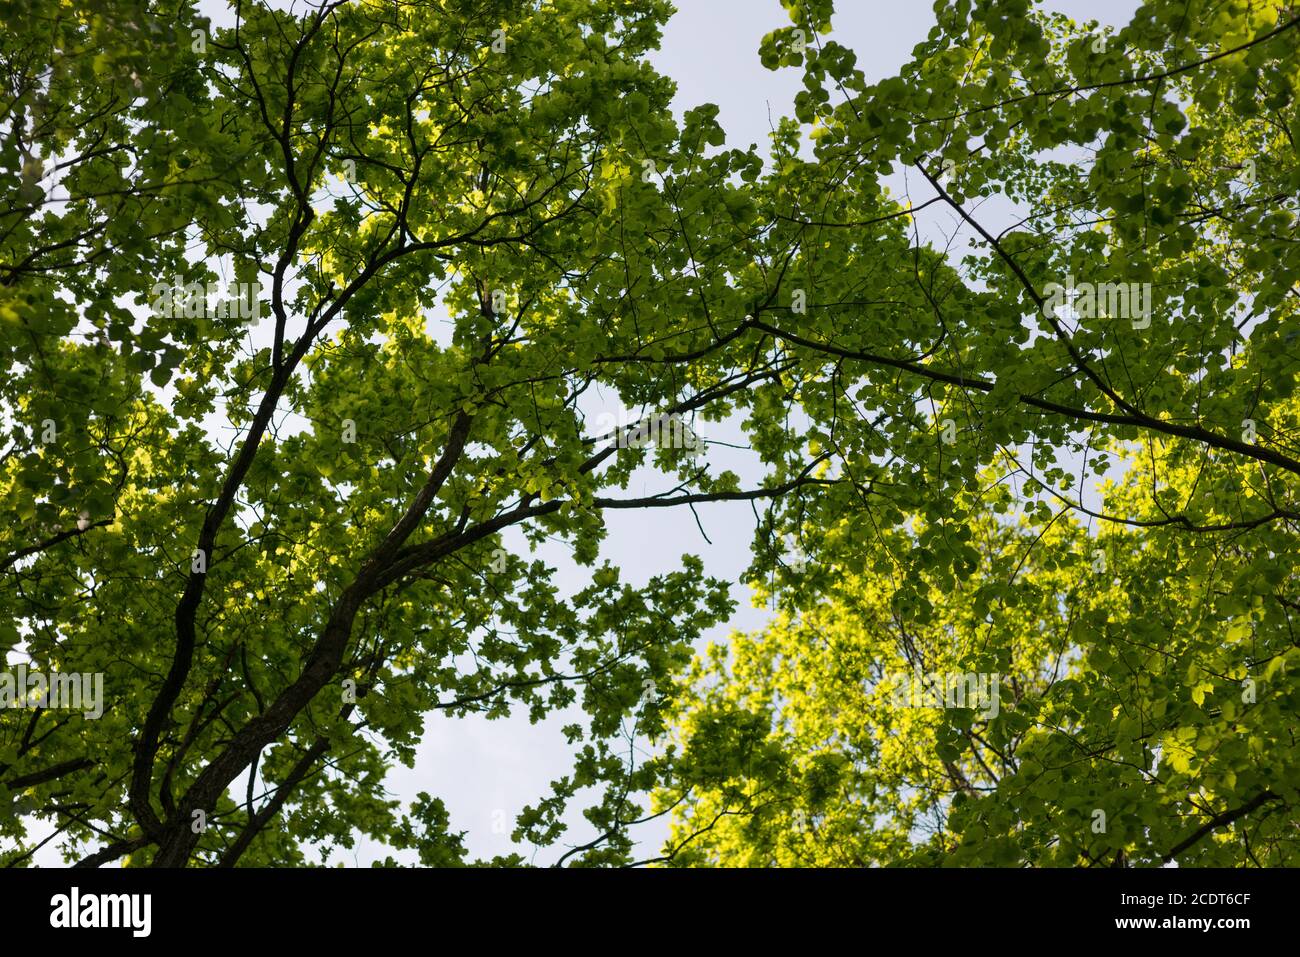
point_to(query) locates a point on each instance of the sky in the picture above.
(486, 771)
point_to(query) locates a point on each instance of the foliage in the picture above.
(1144, 637)
(281, 543)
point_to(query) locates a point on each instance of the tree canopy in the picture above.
(1144, 637)
(300, 315)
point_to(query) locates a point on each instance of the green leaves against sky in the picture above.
(471, 224)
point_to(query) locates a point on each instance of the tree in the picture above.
(281, 548)
(1143, 643)
(1125, 697)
